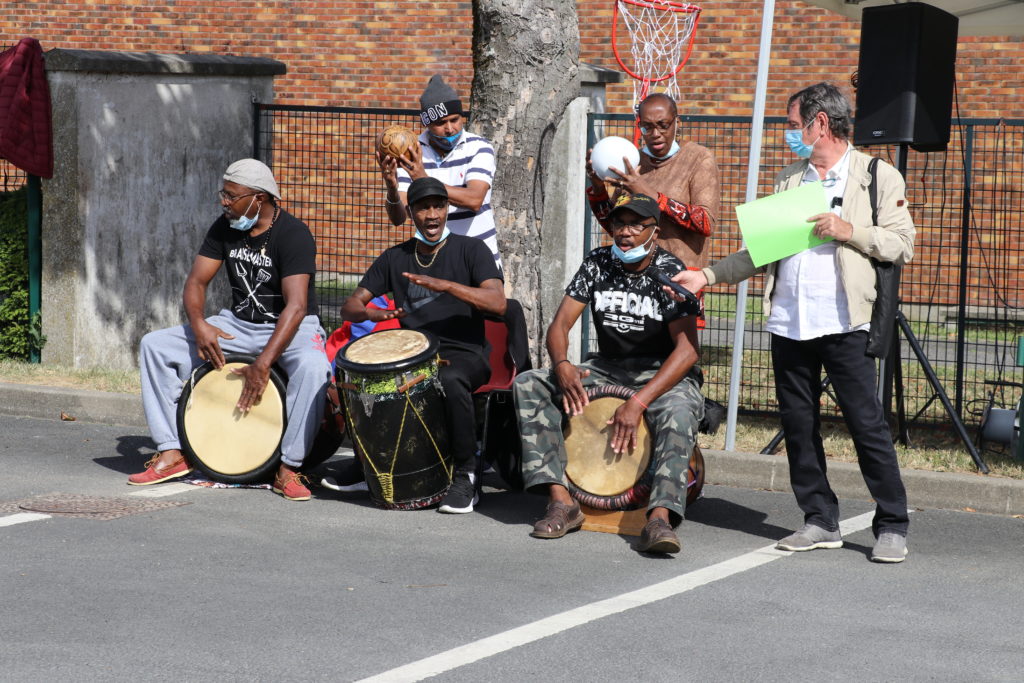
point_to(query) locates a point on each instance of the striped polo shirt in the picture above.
(471, 159)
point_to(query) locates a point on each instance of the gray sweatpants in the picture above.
(167, 358)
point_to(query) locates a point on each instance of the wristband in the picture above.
(564, 360)
(393, 203)
(639, 401)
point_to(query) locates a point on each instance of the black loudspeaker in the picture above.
(905, 76)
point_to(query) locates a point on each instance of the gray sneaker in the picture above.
(890, 547)
(810, 537)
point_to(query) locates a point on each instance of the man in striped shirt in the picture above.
(464, 162)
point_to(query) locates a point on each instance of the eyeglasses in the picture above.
(631, 228)
(648, 127)
(233, 197)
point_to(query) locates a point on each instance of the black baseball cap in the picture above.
(640, 204)
(421, 188)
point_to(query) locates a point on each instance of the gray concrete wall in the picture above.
(140, 144)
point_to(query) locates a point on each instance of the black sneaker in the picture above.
(462, 494)
(349, 477)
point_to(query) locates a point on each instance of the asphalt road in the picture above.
(241, 585)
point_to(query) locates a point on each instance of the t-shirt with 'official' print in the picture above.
(631, 312)
(256, 266)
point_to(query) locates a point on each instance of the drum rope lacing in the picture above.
(386, 479)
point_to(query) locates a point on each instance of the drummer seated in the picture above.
(647, 342)
(270, 261)
(443, 284)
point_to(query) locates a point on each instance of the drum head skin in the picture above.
(592, 464)
(224, 443)
(387, 351)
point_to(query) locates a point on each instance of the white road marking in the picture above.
(22, 517)
(502, 642)
(164, 490)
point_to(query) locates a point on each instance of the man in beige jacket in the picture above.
(818, 308)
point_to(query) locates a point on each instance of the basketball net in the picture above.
(661, 36)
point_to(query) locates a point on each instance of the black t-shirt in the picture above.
(256, 265)
(465, 260)
(631, 312)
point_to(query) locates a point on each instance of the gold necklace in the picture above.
(416, 253)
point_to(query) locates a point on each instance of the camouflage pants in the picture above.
(672, 420)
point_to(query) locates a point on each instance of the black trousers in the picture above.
(465, 373)
(798, 366)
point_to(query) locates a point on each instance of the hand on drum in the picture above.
(379, 315)
(574, 396)
(256, 378)
(206, 343)
(625, 422)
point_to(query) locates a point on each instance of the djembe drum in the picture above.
(605, 480)
(225, 444)
(393, 403)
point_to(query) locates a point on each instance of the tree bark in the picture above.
(526, 72)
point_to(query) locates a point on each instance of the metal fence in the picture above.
(980, 261)
(323, 159)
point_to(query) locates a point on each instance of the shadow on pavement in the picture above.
(725, 514)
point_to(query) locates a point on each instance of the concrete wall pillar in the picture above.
(141, 141)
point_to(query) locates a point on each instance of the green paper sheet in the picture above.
(775, 226)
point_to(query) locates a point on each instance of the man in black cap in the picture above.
(646, 341)
(464, 162)
(443, 284)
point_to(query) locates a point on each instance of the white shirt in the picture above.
(809, 300)
(472, 158)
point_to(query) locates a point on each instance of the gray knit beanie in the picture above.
(438, 101)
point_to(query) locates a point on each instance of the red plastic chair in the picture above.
(503, 369)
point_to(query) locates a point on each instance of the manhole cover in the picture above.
(87, 507)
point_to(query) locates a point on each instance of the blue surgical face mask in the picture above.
(795, 140)
(445, 143)
(634, 255)
(671, 152)
(243, 222)
(442, 238)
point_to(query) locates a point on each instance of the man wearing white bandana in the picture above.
(461, 160)
(818, 305)
(270, 259)
(682, 177)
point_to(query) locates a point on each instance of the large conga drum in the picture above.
(393, 403)
(225, 444)
(602, 479)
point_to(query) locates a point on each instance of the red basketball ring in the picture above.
(668, 6)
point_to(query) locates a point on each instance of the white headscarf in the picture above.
(255, 174)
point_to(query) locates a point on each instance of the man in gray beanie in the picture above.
(464, 162)
(270, 259)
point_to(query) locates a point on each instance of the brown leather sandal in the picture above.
(558, 520)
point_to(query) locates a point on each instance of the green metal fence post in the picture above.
(35, 253)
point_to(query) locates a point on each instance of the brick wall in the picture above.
(362, 53)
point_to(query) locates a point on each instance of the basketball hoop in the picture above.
(661, 34)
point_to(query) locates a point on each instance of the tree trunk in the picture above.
(526, 72)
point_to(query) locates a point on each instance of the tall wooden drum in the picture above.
(393, 404)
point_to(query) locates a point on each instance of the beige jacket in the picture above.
(891, 240)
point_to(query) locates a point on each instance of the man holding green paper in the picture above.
(818, 306)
